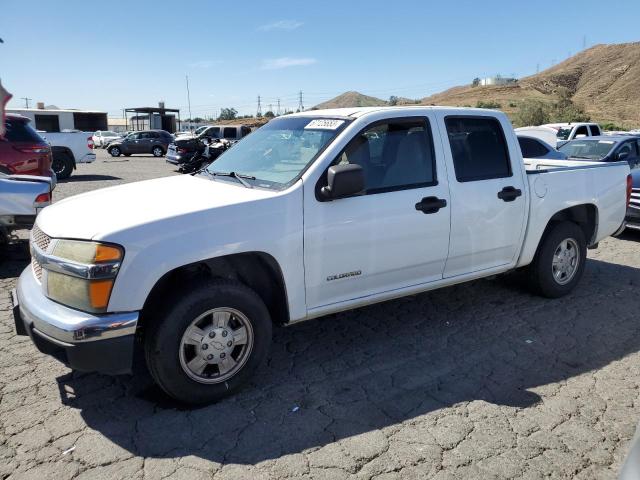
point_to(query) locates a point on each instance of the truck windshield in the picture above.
(590, 149)
(277, 153)
(563, 133)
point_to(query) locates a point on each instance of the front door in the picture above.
(488, 198)
(396, 234)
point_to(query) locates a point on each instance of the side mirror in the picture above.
(343, 181)
(623, 155)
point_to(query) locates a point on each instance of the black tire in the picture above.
(157, 151)
(62, 165)
(114, 151)
(164, 336)
(541, 272)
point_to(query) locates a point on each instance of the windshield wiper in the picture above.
(238, 176)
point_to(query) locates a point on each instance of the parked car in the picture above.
(632, 219)
(533, 147)
(310, 215)
(23, 151)
(102, 138)
(182, 149)
(68, 149)
(191, 134)
(154, 142)
(605, 148)
(22, 197)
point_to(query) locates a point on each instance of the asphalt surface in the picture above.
(481, 380)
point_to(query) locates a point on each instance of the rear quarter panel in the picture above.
(601, 185)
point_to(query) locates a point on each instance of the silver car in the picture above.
(21, 199)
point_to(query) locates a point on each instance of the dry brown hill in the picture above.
(352, 99)
(603, 80)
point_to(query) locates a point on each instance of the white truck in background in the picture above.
(314, 213)
(69, 148)
(557, 134)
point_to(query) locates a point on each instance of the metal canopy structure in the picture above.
(160, 111)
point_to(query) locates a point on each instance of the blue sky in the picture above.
(110, 55)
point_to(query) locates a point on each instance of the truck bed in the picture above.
(561, 184)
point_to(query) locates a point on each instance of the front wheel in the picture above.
(560, 260)
(115, 151)
(209, 342)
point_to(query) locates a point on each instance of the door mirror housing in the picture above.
(343, 181)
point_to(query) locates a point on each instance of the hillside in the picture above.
(352, 99)
(603, 80)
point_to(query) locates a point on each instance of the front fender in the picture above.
(273, 226)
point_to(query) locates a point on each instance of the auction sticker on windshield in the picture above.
(323, 124)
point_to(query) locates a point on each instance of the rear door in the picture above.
(487, 197)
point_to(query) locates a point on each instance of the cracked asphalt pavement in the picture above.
(481, 380)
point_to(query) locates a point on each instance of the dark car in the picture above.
(604, 148)
(632, 220)
(182, 149)
(23, 151)
(154, 142)
(532, 147)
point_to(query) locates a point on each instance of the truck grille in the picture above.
(42, 241)
(635, 198)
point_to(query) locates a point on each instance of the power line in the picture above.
(300, 104)
(26, 101)
(259, 112)
(189, 99)
(278, 112)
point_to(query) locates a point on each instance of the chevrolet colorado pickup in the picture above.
(314, 213)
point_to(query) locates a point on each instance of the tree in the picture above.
(476, 82)
(531, 112)
(393, 100)
(269, 114)
(228, 114)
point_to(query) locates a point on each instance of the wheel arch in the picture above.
(64, 150)
(257, 270)
(584, 215)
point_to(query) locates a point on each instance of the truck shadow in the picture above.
(89, 178)
(352, 373)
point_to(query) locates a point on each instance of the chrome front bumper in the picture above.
(90, 342)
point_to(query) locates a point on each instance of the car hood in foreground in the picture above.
(105, 213)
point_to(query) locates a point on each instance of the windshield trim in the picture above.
(283, 186)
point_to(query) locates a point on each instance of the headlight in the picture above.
(81, 274)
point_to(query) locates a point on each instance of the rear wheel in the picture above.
(62, 165)
(115, 151)
(157, 151)
(560, 260)
(209, 342)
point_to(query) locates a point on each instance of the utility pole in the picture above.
(278, 113)
(584, 42)
(537, 68)
(26, 101)
(271, 107)
(189, 103)
(300, 104)
(259, 112)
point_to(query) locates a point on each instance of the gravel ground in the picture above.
(481, 380)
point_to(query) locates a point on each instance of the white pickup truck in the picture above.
(68, 149)
(312, 214)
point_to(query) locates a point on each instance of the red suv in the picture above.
(23, 151)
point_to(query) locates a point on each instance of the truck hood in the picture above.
(102, 213)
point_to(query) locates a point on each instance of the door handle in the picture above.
(509, 194)
(431, 204)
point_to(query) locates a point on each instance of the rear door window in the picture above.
(595, 130)
(229, 132)
(582, 130)
(531, 148)
(478, 148)
(19, 131)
